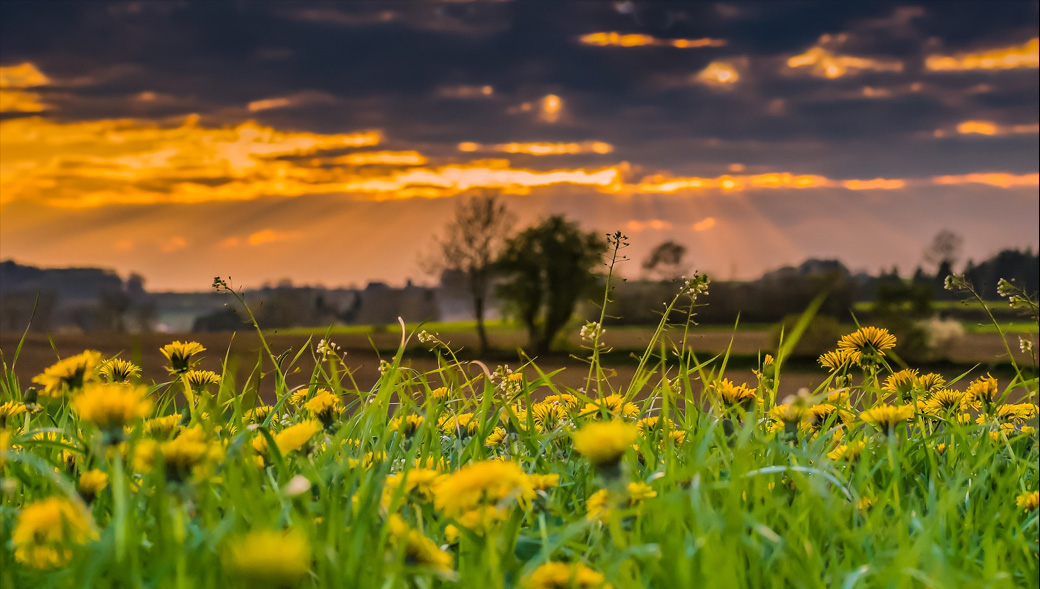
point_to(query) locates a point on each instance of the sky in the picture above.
(329, 143)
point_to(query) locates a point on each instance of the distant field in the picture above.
(365, 345)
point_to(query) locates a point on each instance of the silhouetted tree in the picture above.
(548, 267)
(944, 250)
(472, 241)
(665, 261)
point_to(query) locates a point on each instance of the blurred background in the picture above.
(461, 164)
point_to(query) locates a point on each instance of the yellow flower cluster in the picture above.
(48, 530)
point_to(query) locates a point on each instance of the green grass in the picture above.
(739, 499)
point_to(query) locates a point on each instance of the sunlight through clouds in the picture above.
(1026, 55)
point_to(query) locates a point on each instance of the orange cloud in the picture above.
(704, 224)
(13, 82)
(268, 236)
(378, 158)
(875, 184)
(540, 148)
(824, 62)
(615, 39)
(268, 104)
(90, 163)
(1026, 55)
(466, 91)
(727, 183)
(717, 73)
(549, 108)
(173, 244)
(650, 224)
(997, 179)
(25, 75)
(988, 128)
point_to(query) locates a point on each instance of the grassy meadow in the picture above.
(677, 472)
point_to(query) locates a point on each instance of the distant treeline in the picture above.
(94, 299)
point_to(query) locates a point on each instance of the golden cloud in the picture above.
(704, 224)
(823, 61)
(615, 39)
(988, 128)
(13, 82)
(875, 184)
(1026, 55)
(465, 91)
(717, 73)
(648, 225)
(268, 236)
(998, 179)
(540, 148)
(549, 108)
(376, 158)
(106, 162)
(25, 75)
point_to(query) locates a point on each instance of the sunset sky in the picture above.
(328, 143)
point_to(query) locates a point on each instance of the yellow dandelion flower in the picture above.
(11, 409)
(982, 392)
(440, 393)
(416, 484)
(299, 397)
(564, 575)
(199, 380)
(92, 482)
(407, 425)
(496, 438)
(544, 482)
(887, 417)
(292, 438)
(367, 460)
(162, 427)
(190, 453)
(461, 425)
(827, 413)
(790, 413)
(1028, 501)
(612, 405)
(903, 383)
(647, 424)
(548, 416)
(837, 359)
(119, 370)
(5, 445)
(181, 355)
(257, 414)
(1015, 412)
(931, 382)
(734, 395)
(419, 550)
(867, 342)
(565, 400)
(603, 443)
(110, 406)
(597, 507)
(69, 374)
(638, 492)
(270, 558)
(941, 448)
(324, 405)
(943, 403)
(865, 504)
(480, 483)
(849, 452)
(47, 531)
(677, 436)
